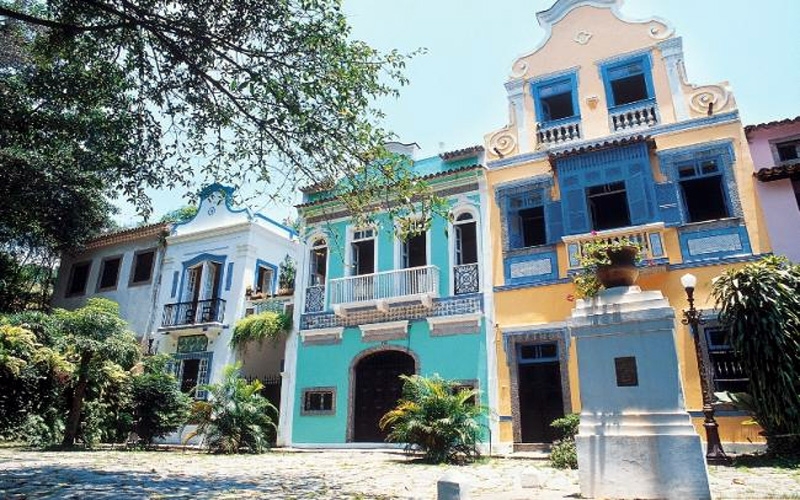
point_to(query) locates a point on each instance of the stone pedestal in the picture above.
(636, 439)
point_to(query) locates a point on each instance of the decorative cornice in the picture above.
(151, 231)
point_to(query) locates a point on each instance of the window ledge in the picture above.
(724, 222)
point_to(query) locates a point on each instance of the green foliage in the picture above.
(288, 271)
(183, 214)
(759, 305)
(159, 407)
(438, 418)
(563, 453)
(236, 418)
(597, 253)
(259, 327)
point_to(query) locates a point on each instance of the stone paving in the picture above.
(350, 475)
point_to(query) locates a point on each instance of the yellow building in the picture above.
(606, 138)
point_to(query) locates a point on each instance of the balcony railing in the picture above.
(192, 313)
(315, 298)
(642, 114)
(381, 288)
(650, 238)
(558, 132)
(466, 279)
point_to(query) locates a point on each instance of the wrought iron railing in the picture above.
(649, 237)
(559, 131)
(633, 116)
(315, 298)
(191, 313)
(466, 279)
(385, 285)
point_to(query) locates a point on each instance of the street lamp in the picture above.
(715, 455)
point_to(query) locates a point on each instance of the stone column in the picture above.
(636, 439)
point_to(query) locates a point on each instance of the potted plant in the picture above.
(607, 263)
(287, 272)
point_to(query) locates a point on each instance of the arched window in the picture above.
(465, 258)
(319, 262)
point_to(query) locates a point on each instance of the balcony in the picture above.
(649, 236)
(554, 133)
(633, 116)
(193, 313)
(381, 290)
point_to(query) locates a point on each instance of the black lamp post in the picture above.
(715, 455)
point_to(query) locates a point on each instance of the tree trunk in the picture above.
(74, 416)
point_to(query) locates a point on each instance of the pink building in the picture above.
(775, 148)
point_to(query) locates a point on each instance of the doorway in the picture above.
(378, 387)
(540, 391)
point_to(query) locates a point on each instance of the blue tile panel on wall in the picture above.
(531, 267)
(448, 306)
(714, 244)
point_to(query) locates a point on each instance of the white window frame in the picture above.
(451, 245)
(352, 231)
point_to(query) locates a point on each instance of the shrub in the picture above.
(563, 453)
(436, 417)
(259, 327)
(159, 407)
(759, 305)
(236, 418)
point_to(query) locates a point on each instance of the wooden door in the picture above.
(377, 390)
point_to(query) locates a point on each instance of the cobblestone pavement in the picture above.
(351, 475)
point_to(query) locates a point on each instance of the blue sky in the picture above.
(456, 93)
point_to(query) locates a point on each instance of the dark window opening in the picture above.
(466, 244)
(318, 401)
(264, 280)
(109, 274)
(79, 276)
(788, 151)
(189, 377)
(364, 257)
(538, 352)
(726, 370)
(319, 263)
(472, 400)
(629, 89)
(608, 205)
(704, 198)
(414, 251)
(557, 107)
(532, 225)
(143, 266)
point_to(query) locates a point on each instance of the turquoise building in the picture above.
(373, 307)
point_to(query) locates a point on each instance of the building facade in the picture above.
(123, 266)
(607, 139)
(775, 148)
(374, 307)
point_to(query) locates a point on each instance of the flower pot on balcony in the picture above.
(622, 270)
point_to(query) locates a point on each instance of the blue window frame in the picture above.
(532, 220)
(537, 353)
(628, 81)
(557, 99)
(703, 190)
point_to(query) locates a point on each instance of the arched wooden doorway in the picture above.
(377, 388)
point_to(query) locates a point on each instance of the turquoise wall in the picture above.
(458, 357)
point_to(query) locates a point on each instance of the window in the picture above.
(78, 277)
(319, 262)
(531, 221)
(526, 220)
(414, 251)
(726, 370)
(471, 385)
(608, 206)
(788, 151)
(701, 184)
(265, 278)
(109, 273)
(628, 82)
(556, 99)
(363, 252)
(319, 401)
(142, 271)
(537, 353)
(465, 273)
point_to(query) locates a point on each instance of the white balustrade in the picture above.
(416, 281)
(634, 116)
(554, 133)
(649, 237)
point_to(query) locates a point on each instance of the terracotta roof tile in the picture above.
(587, 147)
(776, 123)
(777, 173)
(130, 234)
(461, 153)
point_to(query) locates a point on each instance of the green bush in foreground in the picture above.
(159, 407)
(564, 454)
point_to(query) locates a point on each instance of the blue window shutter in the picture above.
(514, 229)
(554, 222)
(637, 199)
(575, 212)
(667, 201)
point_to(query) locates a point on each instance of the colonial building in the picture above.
(775, 148)
(215, 265)
(123, 266)
(608, 139)
(374, 306)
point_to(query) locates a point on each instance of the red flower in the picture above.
(570, 297)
